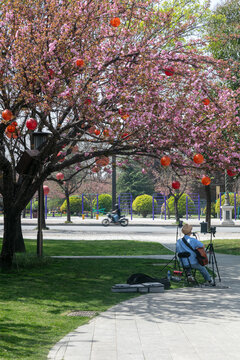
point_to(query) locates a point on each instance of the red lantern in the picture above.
(80, 62)
(102, 161)
(88, 102)
(60, 176)
(51, 73)
(206, 180)
(169, 71)
(7, 115)
(31, 124)
(115, 22)
(206, 101)
(124, 136)
(175, 185)
(45, 189)
(230, 173)
(105, 132)
(198, 159)
(165, 160)
(95, 169)
(11, 128)
(97, 132)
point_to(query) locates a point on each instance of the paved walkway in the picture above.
(185, 324)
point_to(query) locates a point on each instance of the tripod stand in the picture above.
(212, 258)
(175, 259)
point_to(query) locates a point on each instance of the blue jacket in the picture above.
(181, 247)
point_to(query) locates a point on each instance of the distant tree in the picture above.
(132, 180)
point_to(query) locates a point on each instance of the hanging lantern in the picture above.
(7, 115)
(102, 161)
(13, 135)
(125, 135)
(175, 185)
(11, 128)
(198, 159)
(97, 132)
(206, 101)
(115, 22)
(165, 160)
(31, 124)
(60, 176)
(80, 62)
(206, 180)
(95, 169)
(106, 132)
(88, 101)
(169, 71)
(45, 189)
(51, 73)
(230, 173)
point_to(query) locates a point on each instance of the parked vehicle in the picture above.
(123, 221)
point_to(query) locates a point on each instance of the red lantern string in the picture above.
(60, 176)
(198, 159)
(206, 101)
(206, 180)
(31, 124)
(169, 71)
(80, 62)
(165, 160)
(45, 189)
(7, 115)
(115, 22)
(175, 185)
(230, 173)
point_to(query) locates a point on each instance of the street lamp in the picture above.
(39, 138)
(114, 181)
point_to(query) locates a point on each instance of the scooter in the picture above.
(110, 220)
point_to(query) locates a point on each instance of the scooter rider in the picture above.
(116, 214)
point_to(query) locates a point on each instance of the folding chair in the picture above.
(187, 270)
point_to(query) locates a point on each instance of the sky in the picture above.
(214, 3)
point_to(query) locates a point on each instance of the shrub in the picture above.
(143, 204)
(54, 204)
(75, 205)
(231, 197)
(181, 204)
(104, 202)
(213, 210)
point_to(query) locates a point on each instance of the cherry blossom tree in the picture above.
(121, 77)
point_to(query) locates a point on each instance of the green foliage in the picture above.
(143, 204)
(131, 180)
(34, 205)
(54, 204)
(181, 204)
(231, 198)
(104, 202)
(75, 205)
(213, 210)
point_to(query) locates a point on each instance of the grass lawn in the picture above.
(97, 247)
(225, 246)
(37, 295)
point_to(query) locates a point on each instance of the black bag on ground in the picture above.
(140, 278)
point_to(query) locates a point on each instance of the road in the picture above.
(164, 234)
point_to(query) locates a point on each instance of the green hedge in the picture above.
(143, 204)
(181, 204)
(231, 197)
(104, 202)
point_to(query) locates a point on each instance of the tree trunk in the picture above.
(208, 208)
(68, 206)
(19, 242)
(176, 198)
(11, 227)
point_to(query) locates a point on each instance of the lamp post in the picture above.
(39, 138)
(114, 178)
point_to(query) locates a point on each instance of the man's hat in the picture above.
(186, 229)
